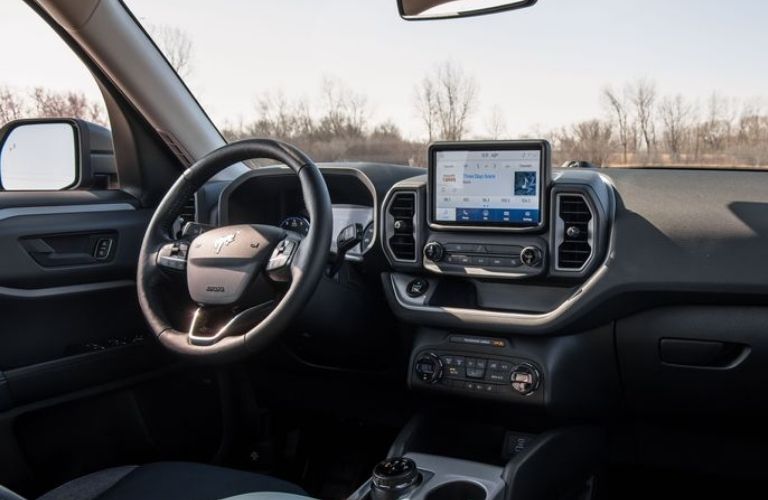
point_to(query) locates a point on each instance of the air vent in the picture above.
(402, 242)
(574, 232)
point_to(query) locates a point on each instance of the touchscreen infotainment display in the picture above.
(487, 187)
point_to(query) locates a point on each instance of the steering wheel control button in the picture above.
(417, 287)
(279, 262)
(525, 379)
(530, 256)
(434, 251)
(173, 256)
(429, 368)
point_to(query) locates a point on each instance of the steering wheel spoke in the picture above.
(211, 324)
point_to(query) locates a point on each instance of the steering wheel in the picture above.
(249, 281)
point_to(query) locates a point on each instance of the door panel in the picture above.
(58, 296)
(72, 328)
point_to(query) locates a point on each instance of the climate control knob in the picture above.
(525, 378)
(429, 368)
(433, 251)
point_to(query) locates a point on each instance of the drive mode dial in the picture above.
(429, 368)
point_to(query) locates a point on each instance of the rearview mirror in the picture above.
(417, 10)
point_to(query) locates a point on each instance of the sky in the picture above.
(543, 67)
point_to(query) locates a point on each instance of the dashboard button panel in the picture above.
(485, 259)
(475, 373)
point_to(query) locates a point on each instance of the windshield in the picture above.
(631, 83)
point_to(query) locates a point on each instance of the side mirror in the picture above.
(419, 10)
(51, 154)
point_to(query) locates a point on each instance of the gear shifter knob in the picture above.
(393, 478)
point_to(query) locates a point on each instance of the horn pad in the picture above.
(222, 262)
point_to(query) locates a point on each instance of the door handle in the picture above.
(71, 249)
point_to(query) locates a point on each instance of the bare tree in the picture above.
(618, 105)
(643, 95)
(446, 100)
(496, 125)
(717, 127)
(175, 45)
(346, 112)
(276, 117)
(12, 106)
(426, 107)
(753, 124)
(387, 130)
(52, 104)
(587, 141)
(675, 113)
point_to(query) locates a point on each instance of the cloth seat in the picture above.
(169, 481)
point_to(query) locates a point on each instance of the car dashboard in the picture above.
(657, 293)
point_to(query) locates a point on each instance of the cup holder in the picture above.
(457, 490)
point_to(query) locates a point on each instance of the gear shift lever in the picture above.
(393, 478)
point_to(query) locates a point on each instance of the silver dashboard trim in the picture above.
(474, 272)
(8, 213)
(520, 318)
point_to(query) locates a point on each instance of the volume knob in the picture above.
(433, 251)
(530, 256)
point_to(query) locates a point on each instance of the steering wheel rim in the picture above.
(307, 264)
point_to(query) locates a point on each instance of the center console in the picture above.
(431, 460)
(493, 257)
(489, 243)
(433, 477)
